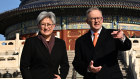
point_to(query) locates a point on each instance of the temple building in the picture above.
(71, 16)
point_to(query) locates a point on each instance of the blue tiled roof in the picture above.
(29, 6)
(100, 3)
(34, 5)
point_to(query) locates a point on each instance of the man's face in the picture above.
(95, 20)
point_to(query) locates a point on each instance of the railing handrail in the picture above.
(74, 73)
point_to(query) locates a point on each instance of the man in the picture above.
(96, 51)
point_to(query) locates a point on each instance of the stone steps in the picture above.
(71, 55)
(70, 59)
(124, 68)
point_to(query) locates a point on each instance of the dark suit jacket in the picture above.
(103, 54)
(37, 63)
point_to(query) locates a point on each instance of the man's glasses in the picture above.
(48, 25)
(96, 18)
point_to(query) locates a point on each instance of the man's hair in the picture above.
(45, 14)
(91, 9)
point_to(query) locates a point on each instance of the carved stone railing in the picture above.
(132, 58)
(10, 52)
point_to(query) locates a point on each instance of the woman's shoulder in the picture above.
(32, 38)
(59, 40)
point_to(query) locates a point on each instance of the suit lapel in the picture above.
(89, 45)
(101, 38)
(44, 51)
(99, 52)
(88, 40)
(54, 48)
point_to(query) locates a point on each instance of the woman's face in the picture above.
(46, 27)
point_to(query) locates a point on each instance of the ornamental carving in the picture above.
(74, 33)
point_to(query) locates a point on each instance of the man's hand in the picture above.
(118, 34)
(93, 69)
(57, 76)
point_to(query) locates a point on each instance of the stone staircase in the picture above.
(70, 58)
(127, 74)
(124, 68)
(72, 73)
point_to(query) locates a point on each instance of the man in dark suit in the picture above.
(96, 52)
(44, 56)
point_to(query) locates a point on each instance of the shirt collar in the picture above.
(98, 31)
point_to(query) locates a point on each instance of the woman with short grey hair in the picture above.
(44, 55)
(44, 14)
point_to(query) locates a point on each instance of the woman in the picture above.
(44, 54)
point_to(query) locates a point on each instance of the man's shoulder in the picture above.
(108, 30)
(86, 35)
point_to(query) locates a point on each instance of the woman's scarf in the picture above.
(48, 44)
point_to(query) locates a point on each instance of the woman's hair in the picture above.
(45, 14)
(91, 9)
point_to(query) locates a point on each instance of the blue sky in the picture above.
(6, 5)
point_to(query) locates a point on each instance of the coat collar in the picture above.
(48, 44)
(45, 51)
(97, 49)
(101, 37)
